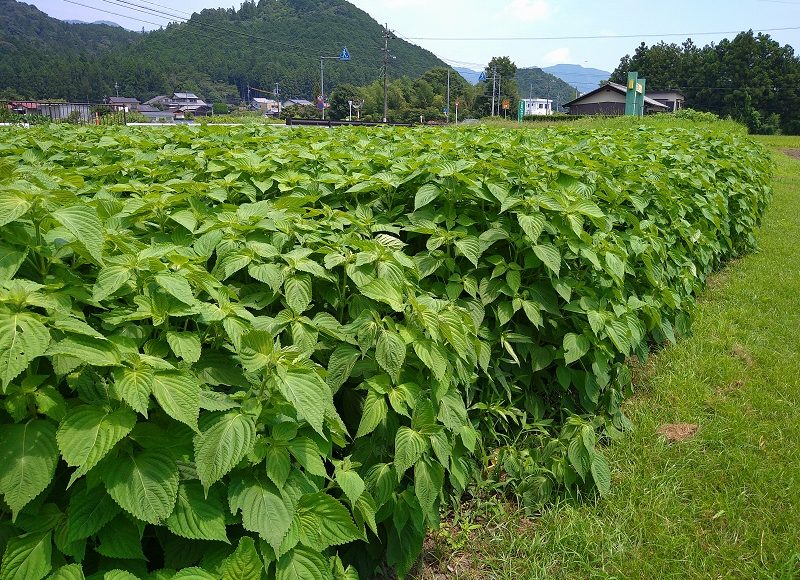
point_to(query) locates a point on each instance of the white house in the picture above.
(538, 107)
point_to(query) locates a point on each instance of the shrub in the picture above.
(254, 352)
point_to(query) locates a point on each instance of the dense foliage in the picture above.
(215, 54)
(752, 78)
(230, 351)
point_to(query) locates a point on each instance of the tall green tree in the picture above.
(751, 78)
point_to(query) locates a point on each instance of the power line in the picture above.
(188, 22)
(593, 36)
(114, 13)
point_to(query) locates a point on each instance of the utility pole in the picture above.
(499, 83)
(116, 87)
(386, 36)
(278, 97)
(447, 115)
(494, 84)
(344, 56)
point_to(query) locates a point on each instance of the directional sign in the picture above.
(344, 54)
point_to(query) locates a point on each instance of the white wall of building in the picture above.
(538, 107)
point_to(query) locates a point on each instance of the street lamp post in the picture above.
(343, 56)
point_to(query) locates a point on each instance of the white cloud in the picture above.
(558, 56)
(527, 10)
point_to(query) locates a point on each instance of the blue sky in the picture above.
(520, 22)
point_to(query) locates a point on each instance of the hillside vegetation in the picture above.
(216, 53)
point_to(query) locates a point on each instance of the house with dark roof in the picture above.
(126, 103)
(609, 99)
(673, 99)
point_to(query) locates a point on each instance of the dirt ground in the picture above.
(792, 153)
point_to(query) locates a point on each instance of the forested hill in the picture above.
(216, 53)
(535, 83)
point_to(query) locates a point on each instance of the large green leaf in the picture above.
(10, 260)
(88, 350)
(178, 393)
(145, 484)
(27, 557)
(177, 286)
(223, 442)
(575, 346)
(12, 207)
(532, 225)
(303, 564)
(264, 511)
(373, 412)
(196, 516)
(428, 482)
(408, 448)
(83, 223)
(185, 345)
(90, 509)
(135, 387)
(28, 455)
(309, 394)
(109, 280)
(601, 474)
(244, 563)
(325, 522)
(68, 572)
(390, 353)
(549, 255)
(297, 290)
(88, 433)
(425, 195)
(22, 339)
(121, 538)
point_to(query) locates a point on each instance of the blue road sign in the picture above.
(344, 55)
(482, 76)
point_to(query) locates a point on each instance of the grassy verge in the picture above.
(723, 503)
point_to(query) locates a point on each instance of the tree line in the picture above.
(752, 78)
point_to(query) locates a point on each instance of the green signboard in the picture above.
(521, 110)
(634, 96)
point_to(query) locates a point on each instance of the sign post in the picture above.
(640, 86)
(520, 111)
(344, 56)
(634, 95)
(630, 94)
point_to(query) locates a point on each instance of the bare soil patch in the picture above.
(741, 353)
(792, 153)
(677, 432)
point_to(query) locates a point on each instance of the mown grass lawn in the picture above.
(722, 504)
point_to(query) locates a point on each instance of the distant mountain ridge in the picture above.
(217, 53)
(585, 79)
(106, 22)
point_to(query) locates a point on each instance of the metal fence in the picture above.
(75, 113)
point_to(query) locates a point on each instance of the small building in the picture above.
(128, 104)
(267, 106)
(609, 99)
(186, 99)
(159, 102)
(536, 107)
(673, 99)
(296, 103)
(155, 115)
(181, 112)
(24, 107)
(181, 102)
